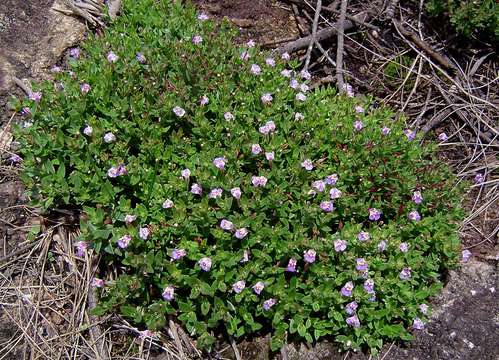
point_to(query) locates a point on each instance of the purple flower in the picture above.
(204, 100)
(359, 109)
(348, 89)
(85, 88)
(351, 307)
(245, 56)
(299, 116)
(417, 197)
(14, 158)
(256, 149)
(124, 241)
(88, 130)
(35, 96)
(241, 233)
(99, 283)
(140, 58)
(479, 178)
(236, 193)
(25, 111)
(255, 69)
(109, 137)
(346, 290)
(353, 321)
(309, 256)
(239, 286)
(443, 137)
(410, 134)
(144, 233)
(319, 185)
(417, 324)
(245, 257)
(301, 97)
(334, 193)
(130, 219)
(369, 286)
(177, 110)
(361, 264)
(258, 287)
(269, 127)
(266, 98)
(267, 304)
(340, 245)
(414, 216)
(374, 214)
(294, 84)
(258, 181)
(291, 265)
(404, 247)
(285, 56)
(167, 204)
(327, 206)
(226, 225)
(305, 75)
(382, 245)
(250, 43)
(81, 248)
(269, 156)
(215, 193)
(203, 17)
(405, 274)
(304, 87)
(178, 254)
(186, 173)
(331, 179)
(228, 116)
(74, 53)
(286, 73)
(385, 131)
(205, 264)
(112, 57)
(220, 162)
(147, 334)
(466, 255)
(197, 39)
(307, 164)
(56, 69)
(363, 236)
(168, 293)
(115, 171)
(358, 125)
(270, 61)
(423, 308)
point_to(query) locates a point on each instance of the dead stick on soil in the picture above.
(339, 49)
(423, 45)
(114, 8)
(22, 85)
(314, 34)
(322, 35)
(176, 338)
(234, 347)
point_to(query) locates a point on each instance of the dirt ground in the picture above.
(465, 320)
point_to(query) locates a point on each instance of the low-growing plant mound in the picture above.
(226, 193)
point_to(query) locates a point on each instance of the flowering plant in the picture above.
(226, 196)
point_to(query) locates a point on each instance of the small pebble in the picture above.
(469, 343)
(492, 290)
(473, 292)
(452, 334)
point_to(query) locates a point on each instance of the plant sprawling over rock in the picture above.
(229, 195)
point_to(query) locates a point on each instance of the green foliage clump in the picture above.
(471, 17)
(296, 203)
